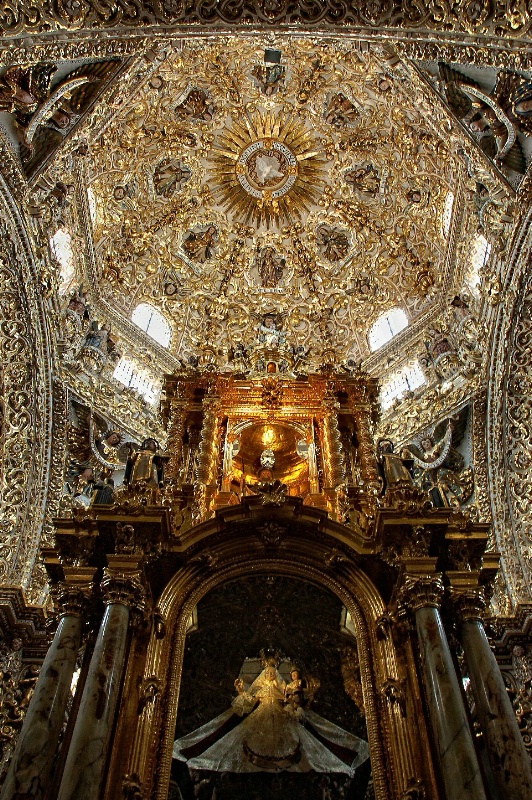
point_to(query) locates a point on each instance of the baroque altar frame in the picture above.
(397, 736)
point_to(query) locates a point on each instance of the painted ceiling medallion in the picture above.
(268, 168)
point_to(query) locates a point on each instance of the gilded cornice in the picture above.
(498, 20)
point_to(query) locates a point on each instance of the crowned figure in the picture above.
(278, 731)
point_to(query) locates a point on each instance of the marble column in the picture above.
(30, 768)
(85, 763)
(508, 758)
(448, 717)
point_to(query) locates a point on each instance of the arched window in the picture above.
(131, 375)
(480, 252)
(405, 380)
(447, 214)
(386, 327)
(61, 247)
(153, 323)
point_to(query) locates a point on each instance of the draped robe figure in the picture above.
(272, 736)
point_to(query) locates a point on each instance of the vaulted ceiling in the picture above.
(242, 176)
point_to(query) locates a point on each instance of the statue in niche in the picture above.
(278, 731)
(23, 88)
(270, 267)
(49, 201)
(466, 322)
(333, 243)
(363, 178)
(438, 467)
(78, 304)
(145, 466)
(196, 105)
(100, 339)
(444, 357)
(170, 176)
(340, 112)
(238, 357)
(199, 245)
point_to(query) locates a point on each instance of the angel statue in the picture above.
(496, 118)
(277, 731)
(96, 452)
(439, 468)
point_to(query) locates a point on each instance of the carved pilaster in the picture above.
(369, 472)
(176, 432)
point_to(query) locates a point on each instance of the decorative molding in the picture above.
(499, 19)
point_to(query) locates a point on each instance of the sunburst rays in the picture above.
(267, 168)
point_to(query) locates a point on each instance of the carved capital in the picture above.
(469, 604)
(71, 600)
(393, 690)
(125, 588)
(421, 591)
(149, 691)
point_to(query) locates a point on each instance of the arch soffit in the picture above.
(25, 485)
(509, 522)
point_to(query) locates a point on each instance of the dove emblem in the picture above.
(267, 168)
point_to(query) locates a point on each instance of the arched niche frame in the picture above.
(312, 548)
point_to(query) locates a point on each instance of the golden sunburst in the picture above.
(267, 167)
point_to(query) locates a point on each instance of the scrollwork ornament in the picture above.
(132, 788)
(415, 790)
(469, 17)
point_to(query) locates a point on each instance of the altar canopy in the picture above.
(261, 732)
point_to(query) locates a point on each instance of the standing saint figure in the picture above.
(270, 267)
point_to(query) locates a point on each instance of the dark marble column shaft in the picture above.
(85, 763)
(509, 760)
(31, 765)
